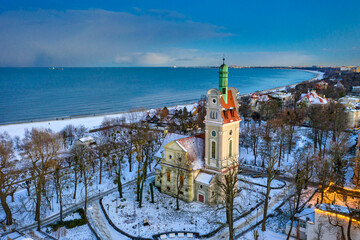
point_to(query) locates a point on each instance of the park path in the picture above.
(255, 215)
(97, 221)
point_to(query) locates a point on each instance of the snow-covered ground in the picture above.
(89, 122)
(267, 235)
(163, 217)
(81, 233)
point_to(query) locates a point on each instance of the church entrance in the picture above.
(201, 198)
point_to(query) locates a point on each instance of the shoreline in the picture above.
(319, 76)
(94, 120)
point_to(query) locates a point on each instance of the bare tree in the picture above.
(40, 148)
(201, 112)
(80, 131)
(337, 150)
(323, 168)
(301, 174)
(85, 157)
(60, 177)
(181, 166)
(291, 118)
(8, 173)
(68, 134)
(119, 149)
(227, 184)
(271, 160)
(254, 138)
(319, 232)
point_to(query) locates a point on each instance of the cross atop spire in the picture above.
(223, 58)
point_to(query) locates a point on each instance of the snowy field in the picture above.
(81, 232)
(163, 217)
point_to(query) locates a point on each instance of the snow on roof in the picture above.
(254, 95)
(341, 210)
(280, 95)
(264, 98)
(195, 149)
(168, 138)
(204, 178)
(308, 214)
(333, 208)
(86, 139)
(313, 98)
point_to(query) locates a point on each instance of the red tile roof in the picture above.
(230, 113)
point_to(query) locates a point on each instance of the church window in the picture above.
(230, 148)
(213, 115)
(214, 100)
(213, 150)
(224, 91)
(212, 193)
(213, 133)
(230, 133)
(200, 186)
(170, 157)
(181, 180)
(168, 176)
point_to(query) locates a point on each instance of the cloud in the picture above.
(97, 37)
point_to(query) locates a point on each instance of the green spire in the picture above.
(223, 80)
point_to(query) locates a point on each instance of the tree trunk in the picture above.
(130, 159)
(38, 205)
(349, 228)
(100, 170)
(231, 223)
(6, 208)
(75, 185)
(61, 205)
(120, 185)
(86, 198)
(266, 203)
(254, 152)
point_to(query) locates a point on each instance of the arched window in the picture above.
(230, 147)
(213, 115)
(213, 149)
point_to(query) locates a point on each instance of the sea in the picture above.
(34, 94)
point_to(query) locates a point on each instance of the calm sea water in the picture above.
(29, 94)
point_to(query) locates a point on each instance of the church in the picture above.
(189, 166)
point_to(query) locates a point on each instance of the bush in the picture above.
(72, 223)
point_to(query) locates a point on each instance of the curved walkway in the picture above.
(214, 234)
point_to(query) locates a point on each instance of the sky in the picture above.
(132, 33)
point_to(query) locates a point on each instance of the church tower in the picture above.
(221, 124)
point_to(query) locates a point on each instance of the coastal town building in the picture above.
(191, 167)
(283, 99)
(311, 98)
(322, 85)
(324, 222)
(352, 105)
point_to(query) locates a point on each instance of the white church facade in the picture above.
(190, 166)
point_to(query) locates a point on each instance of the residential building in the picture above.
(318, 223)
(311, 98)
(352, 105)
